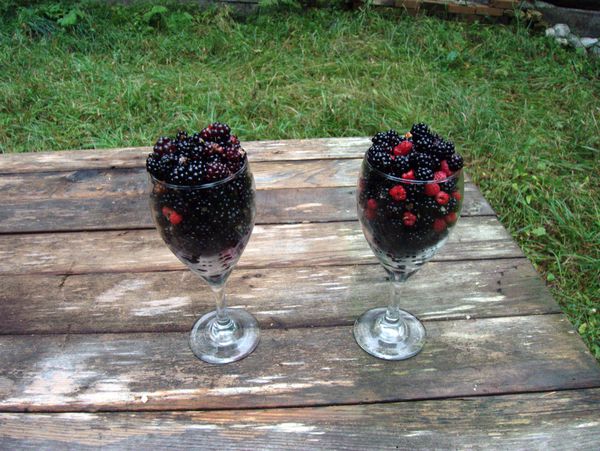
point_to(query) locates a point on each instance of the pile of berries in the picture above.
(206, 225)
(412, 209)
(208, 156)
(416, 155)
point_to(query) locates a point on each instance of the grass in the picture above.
(523, 111)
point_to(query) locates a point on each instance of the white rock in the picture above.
(561, 30)
(575, 41)
(588, 42)
(563, 42)
(550, 32)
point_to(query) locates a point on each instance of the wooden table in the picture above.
(95, 314)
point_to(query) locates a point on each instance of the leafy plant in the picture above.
(156, 17)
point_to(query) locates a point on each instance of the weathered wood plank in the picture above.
(277, 206)
(134, 157)
(313, 296)
(116, 183)
(295, 367)
(555, 420)
(316, 244)
(93, 183)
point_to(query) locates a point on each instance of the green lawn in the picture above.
(523, 111)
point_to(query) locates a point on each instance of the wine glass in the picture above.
(207, 226)
(406, 222)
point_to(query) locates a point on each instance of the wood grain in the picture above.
(554, 420)
(280, 298)
(276, 206)
(135, 157)
(295, 367)
(116, 183)
(313, 244)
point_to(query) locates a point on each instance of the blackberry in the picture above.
(420, 160)
(419, 130)
(163, 145)
(191, 174)
(425, 218)
(429, 205)
(196, 139)
(232, 154)
(216, 171)
(182, 135)
(216, 132)
(417, 236)
(160, 166)
(153, 165)
(393, 138)
(413, 191)
(399, 166)
(394, 210)
(379, 158)
(213, 148)
(455, 162)
(445, 150)
(438, 147)
(423, 143)
(380, 138)
(449, 185)
(452, 204)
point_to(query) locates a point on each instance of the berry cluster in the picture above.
(412, 209)
(416, 155)
(205, 225)
(208, 156)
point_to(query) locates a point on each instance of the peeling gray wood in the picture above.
(555, 420)
(314, 244)
(281, 298)
(295, 367)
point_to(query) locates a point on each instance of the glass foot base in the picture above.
(219, 343)
(389, 341)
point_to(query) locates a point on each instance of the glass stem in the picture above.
(392, 315)
(223, 319)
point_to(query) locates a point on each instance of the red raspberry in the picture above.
(173, 217)
(450, 218)
(409, 219)
(370, 214)
(431, 189)
(403, 148)
(439, 225)
(456, 195)
(444, 167)
(398, 193)
(442, 198)
(439, 175)
(410, 175)
(371, 204)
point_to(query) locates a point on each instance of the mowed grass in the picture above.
(523, 111)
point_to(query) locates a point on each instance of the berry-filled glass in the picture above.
(409, 197)
(202, 199)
